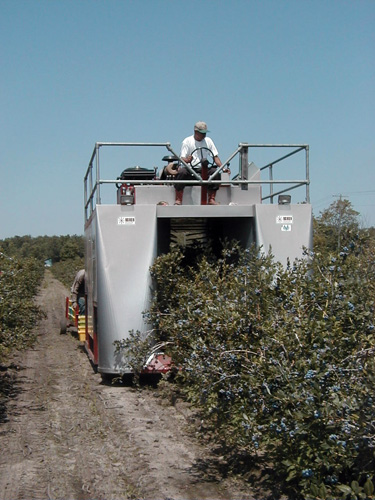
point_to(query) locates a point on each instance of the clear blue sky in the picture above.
(271, 71)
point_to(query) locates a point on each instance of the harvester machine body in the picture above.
(124, 236)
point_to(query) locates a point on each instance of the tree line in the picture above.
(43, 248)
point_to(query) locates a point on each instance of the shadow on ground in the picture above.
(10, 387)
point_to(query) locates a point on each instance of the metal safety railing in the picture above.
(93, 180)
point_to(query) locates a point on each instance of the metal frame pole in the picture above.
(307, 175)
(97, 146)
(244, 155)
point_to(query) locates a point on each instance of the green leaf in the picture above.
(314, 490)
(292, 474)
(288, 463)
(355, 487)
(322, 491)
(344, 489)
(369, 487)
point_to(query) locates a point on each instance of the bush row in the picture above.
(19, 282)
(280, 362)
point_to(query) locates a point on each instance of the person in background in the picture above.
(78, 291)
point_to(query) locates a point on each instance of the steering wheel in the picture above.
(210, 162)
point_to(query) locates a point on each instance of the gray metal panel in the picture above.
(208, 211)
(126, 247)
(285, 229)
(146, 195)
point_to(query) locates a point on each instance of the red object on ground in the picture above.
(160, 363)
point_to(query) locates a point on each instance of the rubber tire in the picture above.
(63, 326)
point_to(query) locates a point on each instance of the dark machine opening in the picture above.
(187, 231)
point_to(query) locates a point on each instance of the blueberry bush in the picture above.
(279, 362)
(20, 279)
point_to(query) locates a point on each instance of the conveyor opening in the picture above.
(188, 231)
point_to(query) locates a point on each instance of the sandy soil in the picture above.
(64, 434)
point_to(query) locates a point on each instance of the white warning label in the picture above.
(284, 219)
(123, 221)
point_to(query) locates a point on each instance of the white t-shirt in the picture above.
(190, 144)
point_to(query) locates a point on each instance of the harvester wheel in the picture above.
(63, 326)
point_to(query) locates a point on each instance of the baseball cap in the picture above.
(201, 127)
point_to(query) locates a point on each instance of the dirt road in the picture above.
(67, 435)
